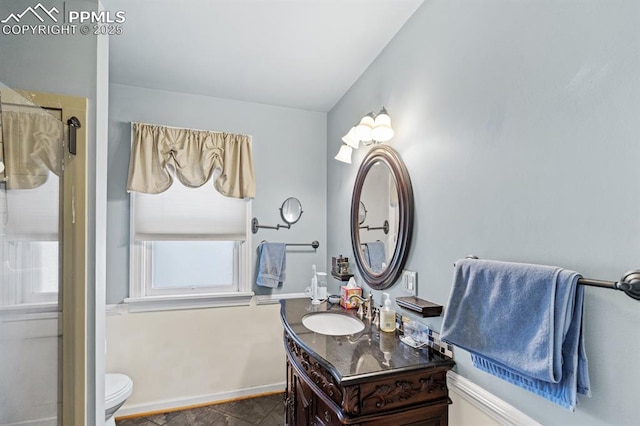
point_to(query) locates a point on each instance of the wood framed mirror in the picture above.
(381, 242)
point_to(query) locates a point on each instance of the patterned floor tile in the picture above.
(162, 419)
(139, 421)
(204, 416)
(264, 411)
(275, 417)
(251, 410)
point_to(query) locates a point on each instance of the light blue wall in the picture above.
(289, 149)
(518, 122)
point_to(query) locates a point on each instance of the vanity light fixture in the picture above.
(344, 154)
(372, 128)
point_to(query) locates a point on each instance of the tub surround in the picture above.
(365, 377)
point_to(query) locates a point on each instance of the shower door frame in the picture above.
(73, 234)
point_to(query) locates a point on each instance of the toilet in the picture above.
(118, 388)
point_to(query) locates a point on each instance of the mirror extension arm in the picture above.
(255, 225)
(290, 212)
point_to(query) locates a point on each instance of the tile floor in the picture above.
(263, 411)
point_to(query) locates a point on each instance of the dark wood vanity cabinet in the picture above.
(314, 396)
(366, 378)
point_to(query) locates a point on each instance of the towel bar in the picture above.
(384, 227)
(629, 283)
(314, 244)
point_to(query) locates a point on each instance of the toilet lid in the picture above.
(118, 387)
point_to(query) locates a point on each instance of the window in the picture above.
(189, 243)
(30, 273)
(189, 248)
(42, 283)
(29, 247)
(178, 265)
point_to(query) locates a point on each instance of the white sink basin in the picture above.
(332, 323)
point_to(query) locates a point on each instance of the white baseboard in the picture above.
(487, 402)
(174, 404)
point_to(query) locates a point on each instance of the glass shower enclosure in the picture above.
(32, 156)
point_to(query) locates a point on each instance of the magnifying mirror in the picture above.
(362, 213)
(291, 210)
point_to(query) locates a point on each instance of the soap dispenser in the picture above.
(387, 316)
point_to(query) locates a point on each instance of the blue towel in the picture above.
(273, 260)
(376, 255)
(522, 323)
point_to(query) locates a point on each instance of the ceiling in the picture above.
(294, 53)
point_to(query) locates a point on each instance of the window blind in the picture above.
(183, 213)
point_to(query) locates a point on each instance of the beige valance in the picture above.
(193, 155)
(33, 147)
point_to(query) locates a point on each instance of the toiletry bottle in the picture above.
(387, 316)
(314, 286)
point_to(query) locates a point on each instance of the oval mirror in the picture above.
(381, 245)
(362, 213)
(291, 210)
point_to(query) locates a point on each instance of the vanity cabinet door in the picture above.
(299, 399)
(304, 397)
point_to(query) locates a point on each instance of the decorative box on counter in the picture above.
(340, 265)
(420, 306)
(340, 268)
(345, 293)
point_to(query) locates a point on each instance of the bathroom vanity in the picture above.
(366, 378)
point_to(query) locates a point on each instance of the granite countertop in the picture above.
(358, 357)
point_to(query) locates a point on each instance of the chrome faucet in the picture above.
(367, 304)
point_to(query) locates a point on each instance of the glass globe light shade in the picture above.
(365, 127)
(382, 130)
(351, 138)
(344, 154)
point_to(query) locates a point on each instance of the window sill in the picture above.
(174, 302)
